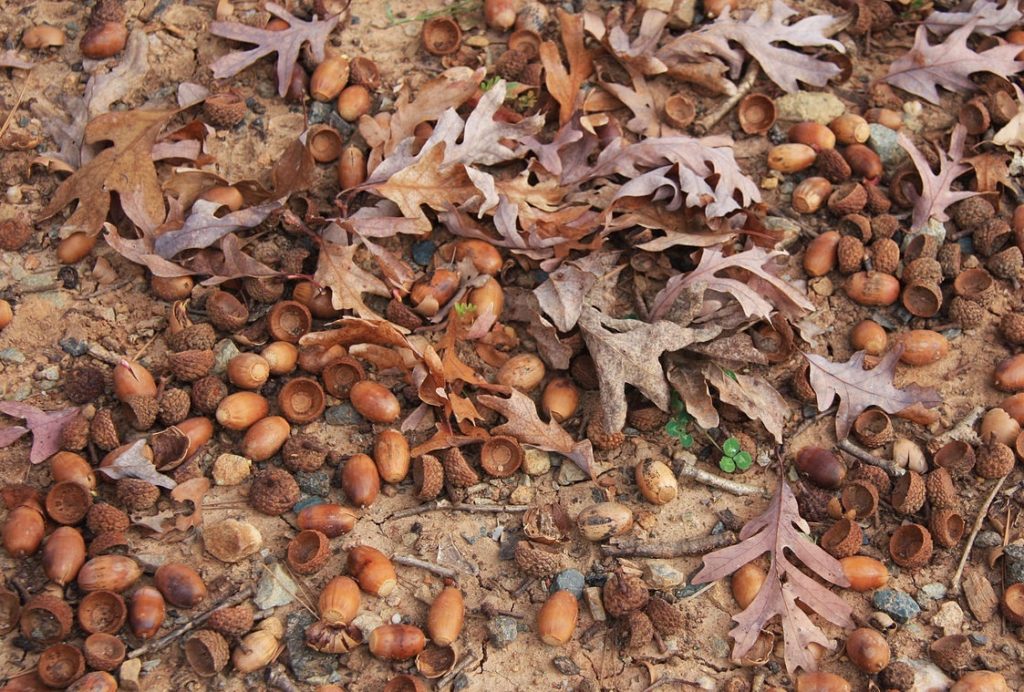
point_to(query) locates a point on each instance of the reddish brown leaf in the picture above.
(778, 530)
(566, 87)
(45, 426)
(135, 461)
(936, 193)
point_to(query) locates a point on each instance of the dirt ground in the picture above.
(123, 317)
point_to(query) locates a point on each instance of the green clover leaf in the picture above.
(727, 464)
(743, 461)
(731, 447)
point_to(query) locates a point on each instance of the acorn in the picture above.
(330, 519)
(868, 650)
(396, 642)
(821, 682)
(863, 161)
(68, 466)
(198, 430)
(265, 438)
(137, 495)
(6, 314)
(457, 470)
(981, 681)
(994, 460)
(746, 582)
(288, 320)
(173, 406)
(910, 546)
(224, 110)
(63, 555)
(537, 560)
(303, 452)
(998, 425)
(225, 311)
(850, 128)
(604, 520)
(446, 616)
(102, 612)
(790, 158)
(180, 585)
(427, 476)
(872, 288)
(329, 78)
(75, 247)
(146, 612)
(656, 481)
(848, 198)
(391, 454)
(374, 402)
(240, 410)
(501, 14)
(622, 593)
(557, 618)
(811, 194)
(46, 619)
(813, 134)
(488, 298)
(207, 393)
(869, 336)
(821, 467)
(864, 573)
(832, 166)
(38, 37)
(132, 379)
(353, 102)
(360, 480)
(281, 357)
(884, 116)
(248, 371)
(922, 347)
(232, 621)
(103, 652)
(339, 601)
(108, 573)
(821, 254)
(352, 167)
(23, 530)
(308, 552)
(372, 569)
(484, 256)
(103, 40)
(273, 491)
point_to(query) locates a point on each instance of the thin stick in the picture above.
(954, 583)
(706, 478)
(963, 431)
(457, 507)
(698, 592)
(270, 572)
(160, 643)
(103, 355)
(869, 458)
(278, 678)
(423, 564)
(687, 546)
(744, 87)
(16, 106)
(466, 662)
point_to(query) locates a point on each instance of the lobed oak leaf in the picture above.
(781, 530)
(136, 461)
(636, 54)
(562, 294)
(936, 194)
(337, 270)
(566, 87)
(859, 389)
(286, 43)
(203, 227)
(949, 64)
(751, 394)
(986, 15)
(640, 100)
(45, 426)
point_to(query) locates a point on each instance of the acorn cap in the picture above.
(995, 460)
(233, 621)
(207, 652)
(68, 502)
(941, 489)
(878, 200)
(623, 593)
(991, 236)
(273, 491)
(1011, 326)
(956, 457)
(173, 406)
(947, 527)
(103, 517)
(457, 470)
(601, 438)
(207, 393)
(898, 675)
(909, 493)
(308, 551)
(224, 110)
(292, 260)
(303, 452)
(636, 630)
(510, 64)
(103, 432)
(199, 336)
(84, 384)
(141, 411)
(103, 651)
(14, 233)
(950, 257)
(46, 619)
(832, 166)
(972, 212)
(647, 418)
(874, 475)
(75, 435)
(1006, 264)
(107, 11)
(860, 497)
(843, 539)
(850, 252)
(884, 226)
(108, 542)
(264, 290)
(402, 315)
(885, 255)
(136, 495)
(911, 546)
(427, 476)
(952, 653)
(584, 372)
(191, 365)
(227, 312)
(537, 560)
(966, 312)
(813, 502)
(848, 198)
(923, 270)
(666, 618)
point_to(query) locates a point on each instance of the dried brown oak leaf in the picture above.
(636, 54)
(286, 43)
(45, 426)
(9, 58)
(562, 294)
(756, 298)
(988, 18)
(136, 461)
(752, 395)
(949, 64)
(566, 87)
(758, 32)
(337, 270)
(858, 388)
(778, 530)
(203, 227)
(526, 426)
(936, 194)
(629, 352)
(193, 490)
(125, 169)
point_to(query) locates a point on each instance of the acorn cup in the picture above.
(46, 619)
(957, 457)
(861, 498)
(679, 111)
(308, 552)
(435, 661)
(501, 456)
(288, 320)
(104, 652)
(207, 652)
(843, 539)
(60, 665)
(873, 428)
(427, 477)
(339, 375)
(756, 113)
(910, 546)
(102, 612)
(441, 35)
(301, 400)
(947, 527)
(909, 493)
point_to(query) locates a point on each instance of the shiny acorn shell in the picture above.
(146, 612)
(265, 438)
(330, 519)
(63, 555)
(557, 618)
(109, 573)
(391, 454)
(23, 530)
(396, 642)
(339, 601)
(372, 569)
(374, 402)
(656, 481)
(180, 585)
(360, 480)
(446, 616)
(240, 410)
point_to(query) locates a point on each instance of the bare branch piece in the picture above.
(954, 583)
(232, 600)
(687, 546)
(742, 89)
(869, 458)
(423, 564)
(458, 507)
(707, 478)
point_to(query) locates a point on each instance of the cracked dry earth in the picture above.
(121, 317)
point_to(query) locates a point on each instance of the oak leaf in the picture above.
(337, 270)
(949, 64)
(778, 531)
(936, 194)
(859, 389)
(203, 227)
(566, 87)
(286, 43)
(125, 169)
(45, 426)
(525, 425)
(136, 461)
(629, 352)
(986, 15)
(636, 54)
(751, 394)
(193, 490)
(562, 294)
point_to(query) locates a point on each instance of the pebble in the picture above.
(536, 462)
(423, 252)
(522, 495)
(74, 347)
(224, 351)
(275, 588)
(367, 622)
(342, 414)
(950, 618)
(231, 469)
(819, 106)
(316, 483)
(661, 575)
(570, 474)
(51, 373)
(565, 665)
(1014, 555)
(12, 355)
(571, 580)
(885, 143)
(896, 603)
(790, 229)
(503, 630)
(933, 591)
(305, 663)
(978, 639)
(595, 603)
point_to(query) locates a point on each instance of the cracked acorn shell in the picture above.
(232, 540)
(547, 524)
(339, 601)
(308, 552)
(333, 640)
(102, 612)
(180, 585)
(656, 481)
(63, 555)
(373, 570)
(557, 618)
(604, 520)
(446, 616)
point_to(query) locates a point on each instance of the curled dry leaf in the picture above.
(194, 491)
(134, 463)
(203, 227)
(286, 43)
(566, 87)
(778, 530)
(937, 193)
(752, 395)
(45, 426)
(858, 388)
(986, 15)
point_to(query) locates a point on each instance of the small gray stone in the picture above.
(275, 588)
(224, 351)
(565, 665)
(503, 630)
(50, 373)
(978, 639)
(73, 347)
(819, 106)
(571, 580)
(12, 355)
(896, 603)
(316, 483)
(885, 143)
(1014, 558)
(933, 591)
(423, 251)
(342, 414)
(536, 462)
(662, 576)
(569, 474)
(305, 663)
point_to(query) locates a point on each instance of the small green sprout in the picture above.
(463, 309)
(733, 457)
(677, 426)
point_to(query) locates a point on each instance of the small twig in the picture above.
(869, 458)
(954, 583)
(277, 678)
(698, 592)
(107, 289)
(489, 610)
(103, 355)
(457, 507)
(963, 431)
(742, 89)
(193, 622)
(687, 546)
(423, 564)
(661, 682)
(735, 487)
(466, 662)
